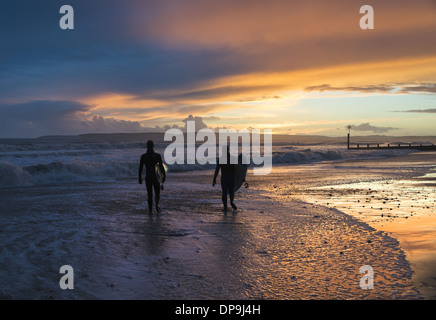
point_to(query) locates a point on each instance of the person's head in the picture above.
(150, 145)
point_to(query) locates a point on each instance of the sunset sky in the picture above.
(297, 67)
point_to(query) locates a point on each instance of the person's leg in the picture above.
(149, 185)
(224, 188)
(232, 192)
(156, 185)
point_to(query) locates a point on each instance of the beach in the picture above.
(192, 250)
(394, 195)
(299, 233)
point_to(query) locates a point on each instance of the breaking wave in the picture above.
(58, 172)
(306, 156)
(79, 170)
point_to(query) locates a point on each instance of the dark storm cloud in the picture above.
(39, 60)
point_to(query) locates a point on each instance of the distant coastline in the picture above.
(277, 138)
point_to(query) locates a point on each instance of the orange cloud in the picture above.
(256, 22)
(269, 48)
(256, 91)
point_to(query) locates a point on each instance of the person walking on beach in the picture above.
(149, 160)
(227, 178)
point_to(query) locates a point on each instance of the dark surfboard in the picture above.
(240, 173)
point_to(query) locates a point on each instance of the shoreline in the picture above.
(400, 202)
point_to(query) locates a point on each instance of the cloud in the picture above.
(221, 93)
(199, 124)
(368, 127)
(108, 125)
(367, 88)
(380, 88)
(426, 88)
(261, 24)
(431, 110)
(40, 117)
(37, 118)
(200, 57)
(158, 47)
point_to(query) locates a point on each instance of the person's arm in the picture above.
(217, 169)
(141, 166)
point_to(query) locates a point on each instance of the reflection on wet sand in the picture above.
(392, 195)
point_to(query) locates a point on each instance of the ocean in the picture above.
(59, 160)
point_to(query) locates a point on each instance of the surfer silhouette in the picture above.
(227, 179)
(150, 159)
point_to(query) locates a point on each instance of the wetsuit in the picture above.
(227, 180)
(150, 159)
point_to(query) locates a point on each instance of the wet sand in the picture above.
(274, 247)
(395, 195)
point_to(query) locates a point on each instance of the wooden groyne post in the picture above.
(367, 146)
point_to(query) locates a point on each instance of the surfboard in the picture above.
(240, 173)
(159, 174)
